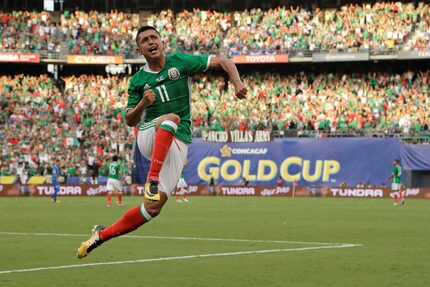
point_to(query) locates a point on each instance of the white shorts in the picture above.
(173, 164)
(113, 184)
(395, 186)
(181, 183)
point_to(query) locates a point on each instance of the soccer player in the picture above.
(396, 183)
(114, 182)
(159, 105)
(182, 187)
(54, 178)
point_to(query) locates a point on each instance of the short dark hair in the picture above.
(115, 158)
(397, 160)
(143, 29)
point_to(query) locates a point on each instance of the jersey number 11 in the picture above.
(163, 93)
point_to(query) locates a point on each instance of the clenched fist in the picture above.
(148, 97)
(240, 90)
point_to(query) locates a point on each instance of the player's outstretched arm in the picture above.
(134, 115)
(230, 68)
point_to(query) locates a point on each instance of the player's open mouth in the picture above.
(153, 50)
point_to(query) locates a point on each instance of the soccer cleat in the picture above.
(185, 200)
(395, 203)
(403, 202)
(92, 243)
(151, 191)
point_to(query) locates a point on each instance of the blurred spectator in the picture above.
(280, 181)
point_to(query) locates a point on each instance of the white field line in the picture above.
(178, 238)
(177, 258)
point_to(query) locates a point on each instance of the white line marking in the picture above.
(178, 238)
(178, 258)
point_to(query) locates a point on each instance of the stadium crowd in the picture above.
(80, 125)
(84, 124)
(378, 26)
(25, 31)
(383, 25)
(100, 33)
(324, 102)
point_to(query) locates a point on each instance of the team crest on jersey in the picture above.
(173, 73)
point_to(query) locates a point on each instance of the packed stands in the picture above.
(23, 31)
(381, 26)
(100, 33)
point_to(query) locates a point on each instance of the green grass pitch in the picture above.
(284, 242)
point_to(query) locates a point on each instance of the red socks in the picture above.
(396, 197)
(131, 220)
(162, 142)
(109, 196)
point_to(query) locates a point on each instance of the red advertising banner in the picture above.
(87, 59)
(260, 191)
(18, 57)
(260, 59)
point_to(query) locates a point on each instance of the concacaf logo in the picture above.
(226, 151)
(173, 73)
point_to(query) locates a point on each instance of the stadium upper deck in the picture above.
(381, 28)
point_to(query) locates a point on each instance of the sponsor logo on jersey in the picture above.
(159, 78)
(173, 73)
(146, 87)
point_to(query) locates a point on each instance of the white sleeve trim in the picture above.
(208, 63)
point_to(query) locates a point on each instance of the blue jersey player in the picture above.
(54, 178)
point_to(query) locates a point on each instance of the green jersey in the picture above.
(397, 172)
(172, 88)
(114, 168)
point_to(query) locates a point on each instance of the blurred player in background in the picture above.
(56, 172)
(181, 187)
(396, 183)
(114, 184)
(159, 105)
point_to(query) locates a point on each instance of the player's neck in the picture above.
(155, 65)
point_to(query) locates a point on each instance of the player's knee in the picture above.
(174, 118)
(154, 209)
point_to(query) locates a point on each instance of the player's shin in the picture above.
(131, 220)
(396, 197)
(109, 198)
(119, 198)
